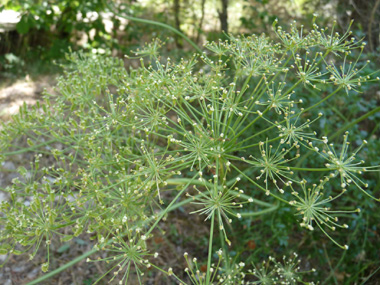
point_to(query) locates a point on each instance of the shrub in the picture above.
(220, 132)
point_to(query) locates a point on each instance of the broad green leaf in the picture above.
(23, 26)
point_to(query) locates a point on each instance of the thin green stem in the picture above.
(180, 181)
(259, 213)
(150, 22)
(92, 251)
(295, 115)
(224, 248)
(164, 212)
(310, 169)
(252, 122)
(329, 263)
(340, 131)
(23, 150)
(320, 102)
(62, 268)
(370, 276)
(258, 186)
(353, 123)
(210, 248)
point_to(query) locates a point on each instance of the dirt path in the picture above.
(13, 95)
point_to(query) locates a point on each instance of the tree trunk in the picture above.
(223, 16)
(366, 13)
(176, 9)
(373, 37)
(201, 20)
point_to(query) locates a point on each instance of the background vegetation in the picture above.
(46, 30)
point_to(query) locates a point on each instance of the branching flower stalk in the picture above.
(227, 126)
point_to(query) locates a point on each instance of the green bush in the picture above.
(222, 135)
(64, 17)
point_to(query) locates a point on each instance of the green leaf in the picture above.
(17, 252)
(29, 142)
(45, 267)
(22, 170)
(63, 248)
(3, 251)
(66, 238)
(23, 26)
(80, 241)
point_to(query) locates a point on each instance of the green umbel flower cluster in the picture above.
(117, 149)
